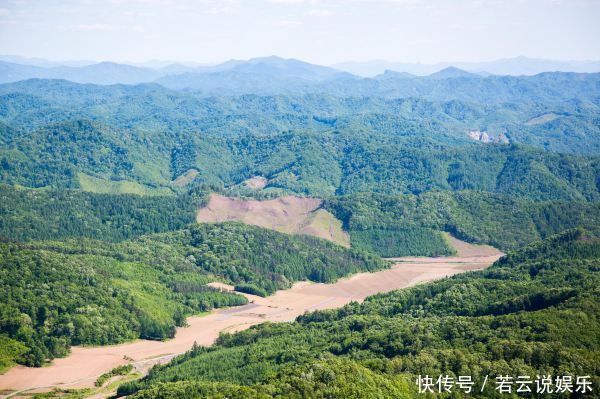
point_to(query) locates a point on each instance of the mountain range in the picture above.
(515, 66)
(172, 74)
(268, 73)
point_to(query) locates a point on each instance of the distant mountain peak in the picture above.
(271, 58)
(389, 74)
(452, 72)
(106, 63)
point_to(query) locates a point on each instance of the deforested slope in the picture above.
(289, 214)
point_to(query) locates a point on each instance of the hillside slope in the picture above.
(389, 225)
(289, 214)
(144, 138)
(400, 225)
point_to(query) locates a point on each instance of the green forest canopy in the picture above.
(140, 139)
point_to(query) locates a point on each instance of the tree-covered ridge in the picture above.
(321, 164)
(56, 214)
(389, 225)
(156, 112)
(544, 87)
(141, 138)
(515, 318)
(273, 76)
(54, 294)
(503, 221)
(267, 259)
(402, 240)
(53, 299)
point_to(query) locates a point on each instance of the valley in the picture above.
(271, 228)
(282, 306)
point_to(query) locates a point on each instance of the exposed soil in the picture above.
(290, 214)
(84, 365)
(256, 182)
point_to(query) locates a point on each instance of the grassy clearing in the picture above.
(538, 120)
(104, 186)
(324, 225)
(186, 178)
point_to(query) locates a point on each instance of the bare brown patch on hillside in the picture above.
(465, 249)
(256, 182)
(290, 214)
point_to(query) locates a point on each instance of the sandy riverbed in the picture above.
(84, 365)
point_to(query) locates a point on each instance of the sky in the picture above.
(319, 31)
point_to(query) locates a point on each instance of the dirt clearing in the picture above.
(256, 182)
(290, 214)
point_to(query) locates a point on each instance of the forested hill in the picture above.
(96, 158)
(150, 140)
(565, 125)
(399, 225)
(54, 294)
(99, 186)
(389, 225)
(30, 214)
(515, 318)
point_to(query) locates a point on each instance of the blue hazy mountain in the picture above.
(452, 73)
(43, 62)
(508, 66)
(268, 72)
(257, 75)
(275, 76)
(388, 74)
(100, 73)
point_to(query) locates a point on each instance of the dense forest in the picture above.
(123, 139)
(506, 222)
(56, 214)
(54, 294)
(388, 225)
(514, 318)
(305, 163)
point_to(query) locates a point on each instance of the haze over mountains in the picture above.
(508, 66)
(268, 71)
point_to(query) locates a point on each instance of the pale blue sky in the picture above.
(321, 31)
